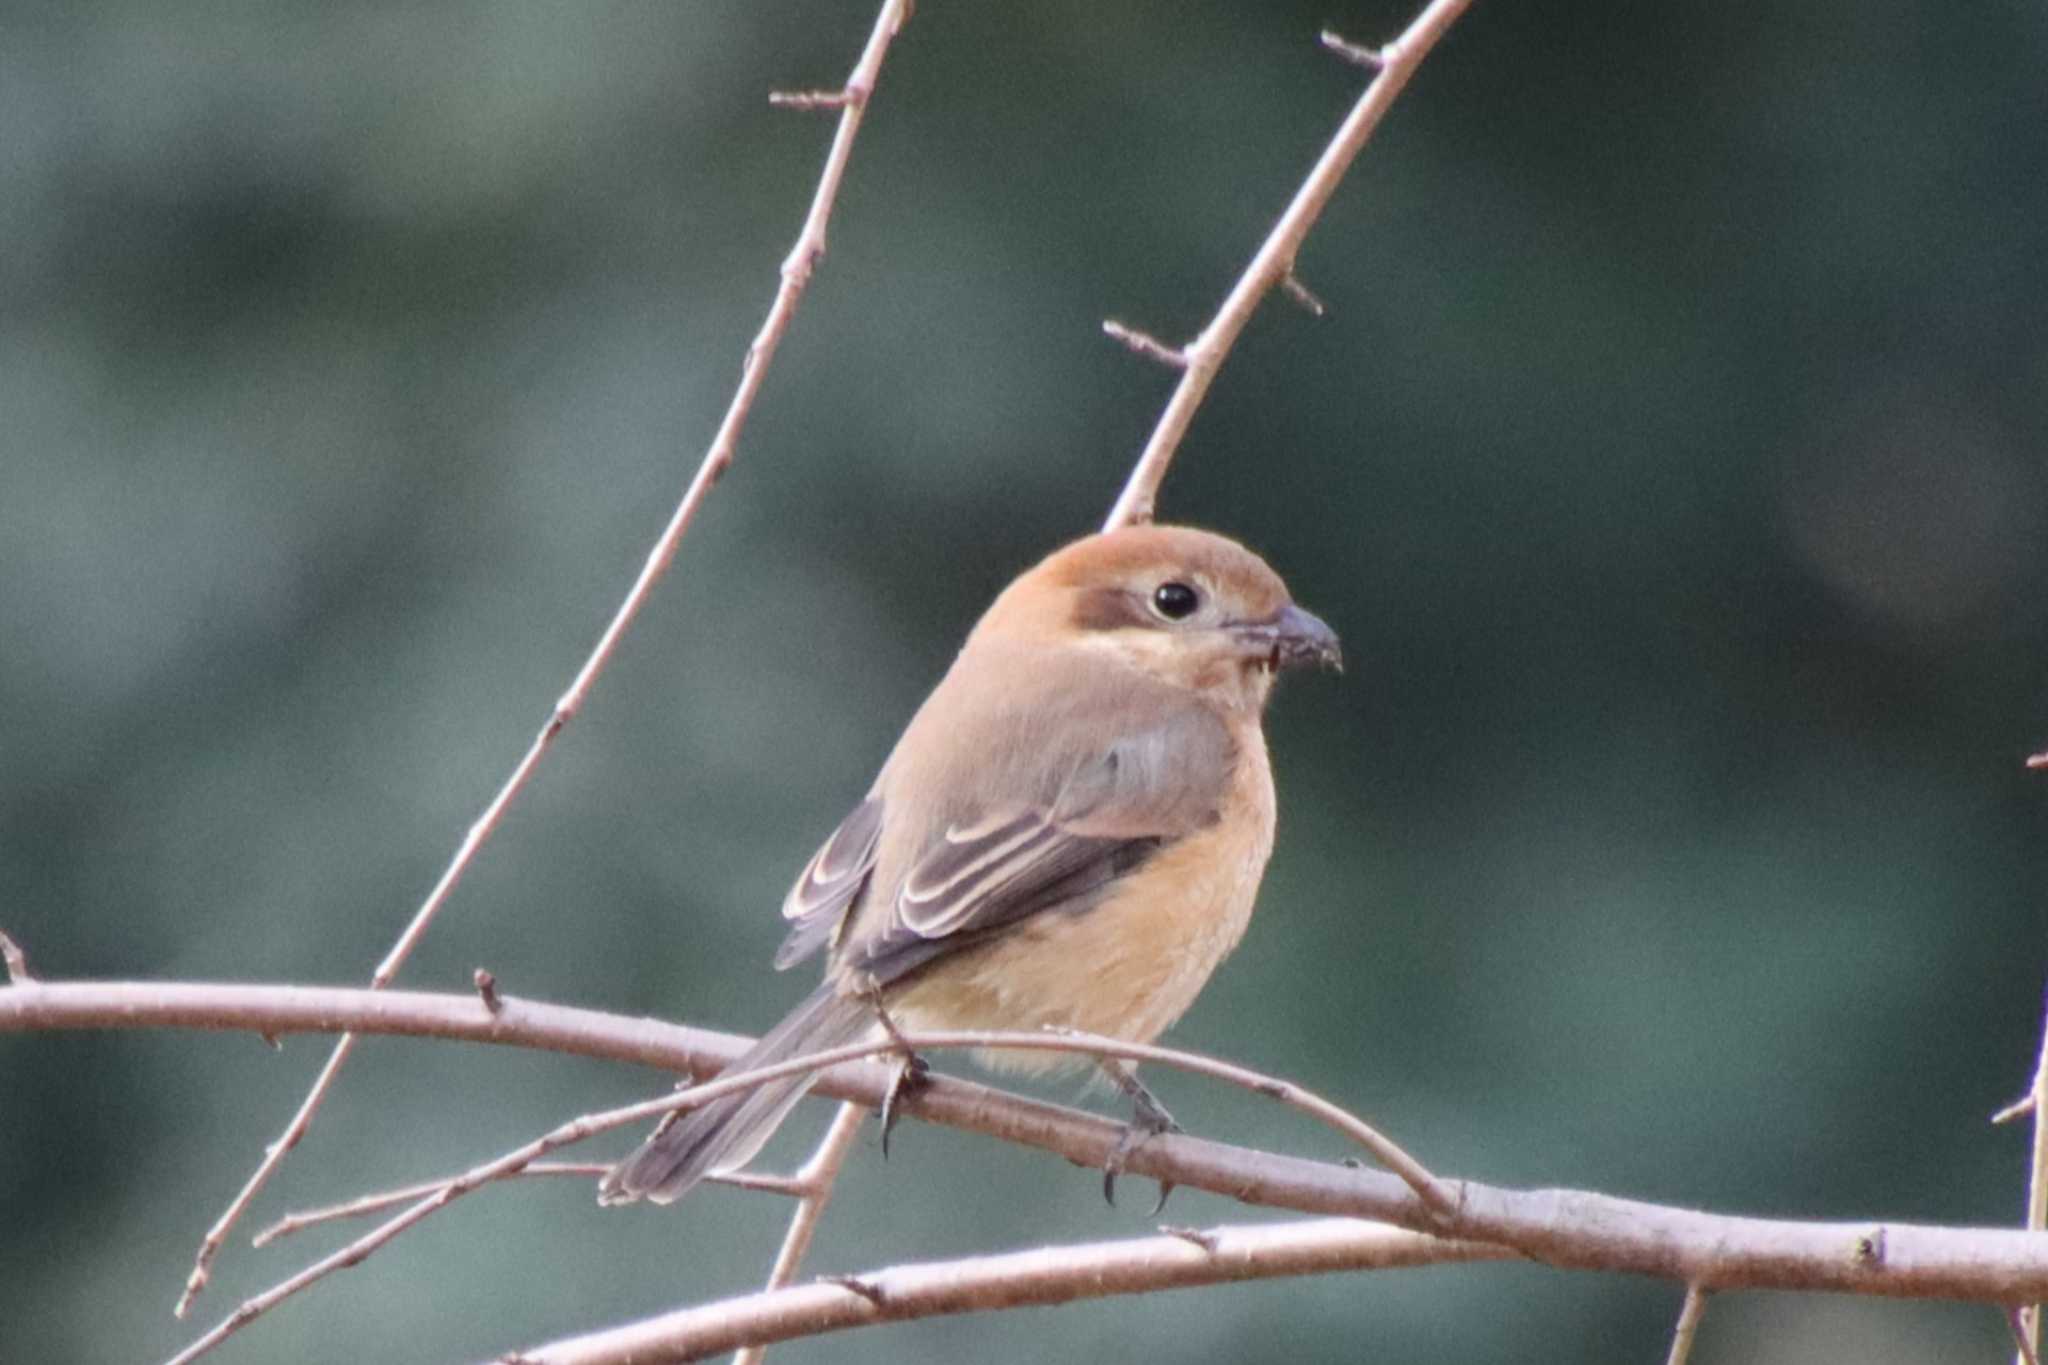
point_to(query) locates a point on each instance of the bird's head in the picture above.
(1188, 607)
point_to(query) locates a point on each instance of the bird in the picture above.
(1069, 834)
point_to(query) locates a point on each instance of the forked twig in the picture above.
(795, 274)
(1274, 262)
(1434, 1196)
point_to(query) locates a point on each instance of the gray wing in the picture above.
(1115, 808)
(835, 875)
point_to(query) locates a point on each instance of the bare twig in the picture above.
(16, 960)
(1059, 1274)
(795, 274)
(816, 1178)
(1275, 259)
(1688, 1325)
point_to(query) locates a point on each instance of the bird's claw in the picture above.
(912, 1075)
(1148, 1120)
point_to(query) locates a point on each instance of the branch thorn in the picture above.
(1371, 58)
(1145, 344)
(1207, 1241)
(1291, 285)
(18, 973)
(487, 991)
(854, 1284)
(2019, 1108)
(806, 101)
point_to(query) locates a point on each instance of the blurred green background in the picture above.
(1671, 461)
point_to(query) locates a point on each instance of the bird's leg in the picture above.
(911, 1074)
(1148, 1120)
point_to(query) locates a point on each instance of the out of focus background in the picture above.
(1671, 461)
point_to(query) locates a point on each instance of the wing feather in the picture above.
(829, 882)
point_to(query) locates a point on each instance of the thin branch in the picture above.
(368, 1204)
(1060, 1274)
(795, 274)
(1567, 1228)
(1688, 1325)
(817, 1178)
(2027, 1320)
(1275, 258)
(2023, 1345)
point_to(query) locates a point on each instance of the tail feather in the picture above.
(725, 1134)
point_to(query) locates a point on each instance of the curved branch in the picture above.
(1061, 1274)
(1273, 265)
(1568, 1228)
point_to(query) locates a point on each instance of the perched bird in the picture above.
(1070, 833)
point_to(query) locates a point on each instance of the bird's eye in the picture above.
(1175, 601)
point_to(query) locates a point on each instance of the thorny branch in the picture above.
(1273, 265)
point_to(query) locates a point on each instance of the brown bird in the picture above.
(1070, 833)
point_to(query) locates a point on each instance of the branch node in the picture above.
(1371, 58)
(487, 991)
(18, 973)
(854, 1284)
(1145, 344)
(1868, 1249)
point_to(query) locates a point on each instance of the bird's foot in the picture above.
(912, 1074)
(1149, 1118)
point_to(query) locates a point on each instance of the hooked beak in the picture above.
(1292, 638)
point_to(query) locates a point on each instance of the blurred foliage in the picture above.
(1671, 461)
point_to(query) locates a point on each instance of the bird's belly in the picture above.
(1127, 968)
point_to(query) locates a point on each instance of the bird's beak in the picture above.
(1292, 638)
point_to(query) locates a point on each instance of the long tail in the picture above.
(725, 1134)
